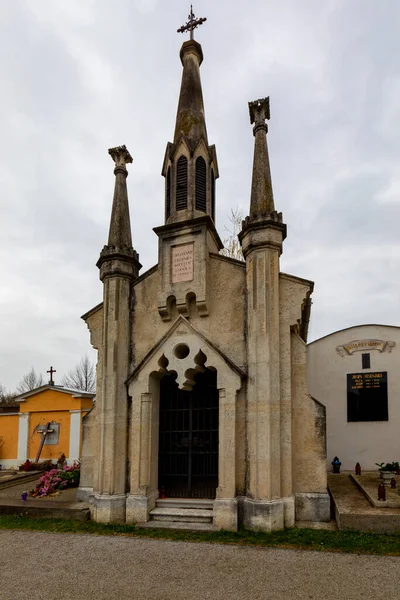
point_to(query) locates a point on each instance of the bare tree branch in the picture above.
(30, 381)
(232, 246)
(82, 376)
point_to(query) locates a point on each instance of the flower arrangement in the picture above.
(393, 466)
(55, 480)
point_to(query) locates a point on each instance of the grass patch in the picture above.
(305, 539)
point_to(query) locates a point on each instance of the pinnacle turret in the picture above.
(263, 215)
(120, 225)
(119, 248)
(262, 197)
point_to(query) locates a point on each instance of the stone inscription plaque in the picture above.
(182, 263)
(367, 396)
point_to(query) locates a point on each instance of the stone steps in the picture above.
(182, 515)
(176, 525)
(201, 503)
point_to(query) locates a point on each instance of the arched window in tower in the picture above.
(213, 195)
(181, 183)
(168, 194)
(201, 184)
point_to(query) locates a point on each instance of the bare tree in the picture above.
(6, 397)
(232, 246)
(30, 381)
(82, 376)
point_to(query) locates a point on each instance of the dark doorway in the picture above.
(188, 439)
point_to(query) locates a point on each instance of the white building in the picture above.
(355, 373)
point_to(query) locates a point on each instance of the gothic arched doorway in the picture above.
(188, 437)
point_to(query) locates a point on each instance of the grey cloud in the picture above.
(81, 77)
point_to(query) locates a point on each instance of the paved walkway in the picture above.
(69, 566)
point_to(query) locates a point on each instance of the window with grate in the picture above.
(181, 183)
(201, 184)
(213, 196)
(366, 361)
(168, 194)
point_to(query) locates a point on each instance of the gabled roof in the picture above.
(168, 334)
(353, 327)
(71, 391)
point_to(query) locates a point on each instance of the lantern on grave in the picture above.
(358, 469)
(336, 465)
(162, 493)
(382, 492)
(393, 483)
(24, 496)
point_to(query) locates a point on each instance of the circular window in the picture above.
(181, 351)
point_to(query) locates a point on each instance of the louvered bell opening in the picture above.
(213, 196)
(181, 183)
(168, 194)
(201, 184)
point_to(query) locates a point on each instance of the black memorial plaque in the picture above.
(367, 397)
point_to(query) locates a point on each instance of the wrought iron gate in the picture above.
(188, 439)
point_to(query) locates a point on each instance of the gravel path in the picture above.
(67, 566)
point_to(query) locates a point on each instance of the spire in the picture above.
(190, 165)
(190, 120)
(119, 248)
(262, 198)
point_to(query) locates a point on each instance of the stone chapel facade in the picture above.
(201, 373)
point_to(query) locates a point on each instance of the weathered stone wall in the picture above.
(88, 447)
(224, 326)
(308, 428)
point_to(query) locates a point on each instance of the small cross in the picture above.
(192, 23)
(51, 371)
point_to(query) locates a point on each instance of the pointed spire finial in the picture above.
(192, 23)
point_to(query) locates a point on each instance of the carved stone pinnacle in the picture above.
(120, 155)
(259, 111)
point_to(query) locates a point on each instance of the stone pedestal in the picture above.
(84, 494)
(260, 515)
(107, 508)
(289, 511)
(225, 514)
(139, 507)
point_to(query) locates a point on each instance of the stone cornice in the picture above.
(190, 223)
(269, 221)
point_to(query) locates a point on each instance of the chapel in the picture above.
(202, 413)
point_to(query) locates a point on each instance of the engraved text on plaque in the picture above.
(182, 263)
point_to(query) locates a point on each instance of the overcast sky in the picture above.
(80, 76)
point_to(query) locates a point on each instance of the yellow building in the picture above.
(51, 409)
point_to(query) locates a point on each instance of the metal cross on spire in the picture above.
(192, 23)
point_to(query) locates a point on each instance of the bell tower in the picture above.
(190, 169)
